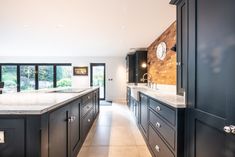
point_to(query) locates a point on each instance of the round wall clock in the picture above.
(161, 51)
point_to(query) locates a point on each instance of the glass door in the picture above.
(98, 77)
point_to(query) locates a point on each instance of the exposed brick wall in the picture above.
(163, 72)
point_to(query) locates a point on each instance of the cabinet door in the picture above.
(141, 57)
(131, 68)
(182, 46)
(211, 91)
(14, 138)
(75, 126)
(144, 113)
(59, 133)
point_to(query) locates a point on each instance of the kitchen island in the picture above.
(50, 123)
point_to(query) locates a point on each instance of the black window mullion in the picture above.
(0, 73)
(54, 77)
(36, 77)
(18, 78)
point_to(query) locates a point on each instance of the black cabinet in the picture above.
(75, 136)
(130, 68)
(59, 133)
(96, 102)
(210, 86)
(162, 127)
(14, 132)
(144, 113)
(141, 69)
(64, 130)
(182, 46)
(136, 66)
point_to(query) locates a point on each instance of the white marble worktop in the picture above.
(164, 93)
(36, 102)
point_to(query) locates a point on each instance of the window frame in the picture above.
(36, 65)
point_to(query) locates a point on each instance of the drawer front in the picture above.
(158, 147)
(87, 122)
(86, 108)
(167, 132)
(166, 112)
(86, 98)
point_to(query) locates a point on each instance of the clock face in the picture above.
(161, 51)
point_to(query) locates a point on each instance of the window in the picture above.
(23, 77)
(9, 77)
(64, 76)
(45, 76)
(27, 78)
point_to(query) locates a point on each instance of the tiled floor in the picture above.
(114, 134)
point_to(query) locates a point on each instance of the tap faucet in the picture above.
(148, 79)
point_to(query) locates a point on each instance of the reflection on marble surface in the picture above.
(165, 93)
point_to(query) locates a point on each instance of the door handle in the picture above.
(229, 129)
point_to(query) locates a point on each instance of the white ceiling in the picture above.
(80, 27)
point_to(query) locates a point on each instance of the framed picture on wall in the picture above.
(80, 71)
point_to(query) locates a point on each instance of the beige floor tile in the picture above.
(114, 134)
(95, 152)
(138, 136)
(126, 151)
(84, 152)
(143, 151)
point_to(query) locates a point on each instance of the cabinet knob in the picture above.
(157, 148)
(88, 97)
(158, 125)
(229, 129)
(158, 108)
(89, 120)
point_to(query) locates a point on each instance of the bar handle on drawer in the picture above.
(157, 148)
(158, 125)
(158, 108)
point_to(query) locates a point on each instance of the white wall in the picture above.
(115, 69)
(81, 27)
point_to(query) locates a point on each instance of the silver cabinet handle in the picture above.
(157, 148)
(158, 125)
(178, 63)
(89, 120)
(158, 108)
(71, 119)
(229, 129)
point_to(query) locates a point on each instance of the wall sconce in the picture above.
(144, 65)
(174, 48)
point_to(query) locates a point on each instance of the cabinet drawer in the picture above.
(166, 112)
(166, 131)
(86, 107)
(86, 98)
(158, 147)
(87, 122)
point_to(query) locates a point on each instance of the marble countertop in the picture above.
(36, 102)
(164, 94)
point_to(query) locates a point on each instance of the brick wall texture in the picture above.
(163, 72)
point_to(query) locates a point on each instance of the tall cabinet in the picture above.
(136, 63)
(209, 36)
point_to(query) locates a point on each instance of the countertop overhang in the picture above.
(37, 102)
